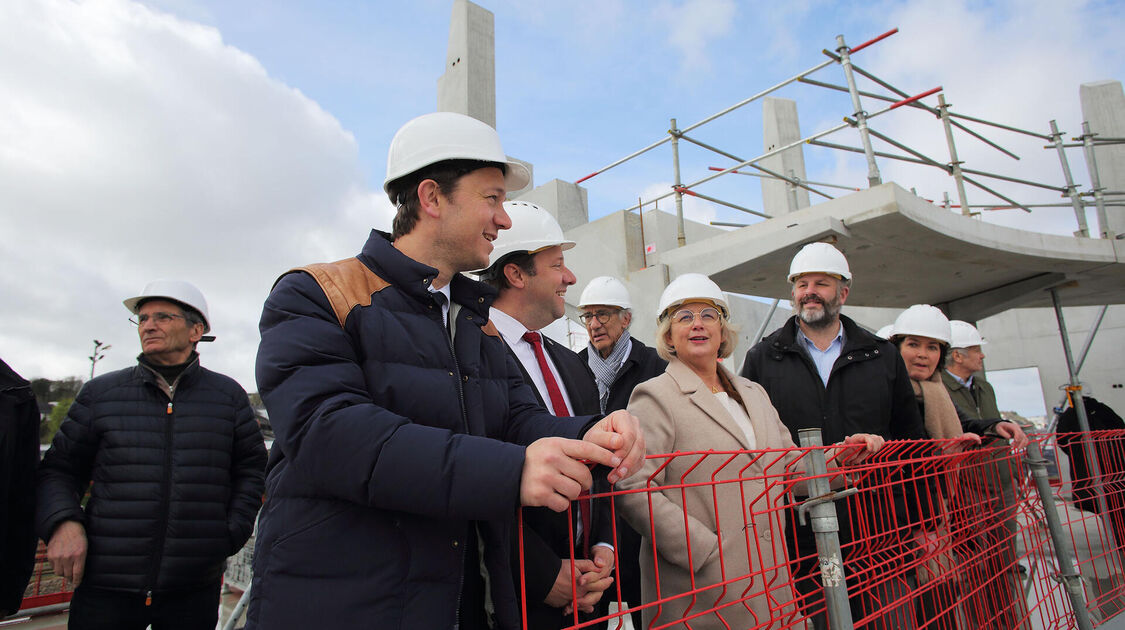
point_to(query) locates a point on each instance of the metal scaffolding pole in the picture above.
(677, 185)
(873, 177)
(1095, 181)
(1075, 392)
(954, 163)
(826, 531)
(1078, 365)
(1071, 188)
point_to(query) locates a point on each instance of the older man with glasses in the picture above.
(178, 465)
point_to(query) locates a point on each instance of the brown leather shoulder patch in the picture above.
(346, 283)
(490, 329)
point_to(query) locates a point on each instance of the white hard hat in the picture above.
(442, 136)
(605, 290)
(819, 258)
(885, 331)
(691, 287)
(923, 320)
(533, 229)
(176, 291)
(965, 335)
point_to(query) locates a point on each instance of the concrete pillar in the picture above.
(780, 127)
(565, 200)
(469, 83)
(1103, 106)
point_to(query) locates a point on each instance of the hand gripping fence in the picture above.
(921, 534)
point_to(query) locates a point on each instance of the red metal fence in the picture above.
(930, 536)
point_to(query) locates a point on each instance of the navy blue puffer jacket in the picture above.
(176, 482)
(387, 447)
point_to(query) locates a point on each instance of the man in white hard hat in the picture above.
(619, 363)
(177, 461)
(822, 370)
(967, 388)
(974, 397)
(528, 269)
(405, 437)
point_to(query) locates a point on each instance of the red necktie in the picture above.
(559, 408)
(558, 403)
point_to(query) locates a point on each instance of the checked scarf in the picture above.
(605, 370)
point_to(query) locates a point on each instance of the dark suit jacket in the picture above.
(547, 533)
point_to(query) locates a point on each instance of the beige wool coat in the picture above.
(743, 510)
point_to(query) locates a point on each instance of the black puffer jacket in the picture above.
(388, 446)
(177, 481)
(868, 390)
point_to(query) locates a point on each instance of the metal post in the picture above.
(677, 184)
(239, 608)
(765, 322)
(1068, 569)
(1083, 419)
(873, 177)
(792, 188)
(826, 527)
(945, 199)
(1071, 189)
(954, 163)
(1095, 181)
(1082, 354)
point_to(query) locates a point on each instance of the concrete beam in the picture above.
(999, 299)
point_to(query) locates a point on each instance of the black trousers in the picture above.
(98, 609)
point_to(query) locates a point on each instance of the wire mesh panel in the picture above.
(932, 535)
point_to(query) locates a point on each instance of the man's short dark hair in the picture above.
(404, 190)
(494, 275)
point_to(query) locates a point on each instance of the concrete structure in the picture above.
(565, 200)
(1103, 106)
(779, 128)
(469, 83)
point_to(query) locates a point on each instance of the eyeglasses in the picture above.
(601, 316)
(159, 318)
(708, 315)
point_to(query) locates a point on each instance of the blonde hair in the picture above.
(727, 331)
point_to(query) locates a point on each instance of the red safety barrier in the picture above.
(931, 536)
(45, 588)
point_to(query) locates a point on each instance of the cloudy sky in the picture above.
(224, 141)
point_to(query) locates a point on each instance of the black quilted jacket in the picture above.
(177, 481)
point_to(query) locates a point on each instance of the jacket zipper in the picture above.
(448, 334)
(165, 494)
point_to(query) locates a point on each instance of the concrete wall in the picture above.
(565, 200)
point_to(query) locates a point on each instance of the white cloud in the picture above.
(135, 145)
(693, 26)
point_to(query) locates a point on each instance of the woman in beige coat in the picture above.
(716, 520)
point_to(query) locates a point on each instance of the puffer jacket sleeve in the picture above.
(344, 445)
(64, 473)
(248, 466)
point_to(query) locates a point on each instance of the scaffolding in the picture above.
(860, 120)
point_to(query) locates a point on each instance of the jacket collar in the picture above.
(149, 375)
(700, 395)
(414, 278)
(856, 338)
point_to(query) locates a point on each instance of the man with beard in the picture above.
(823, 371)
